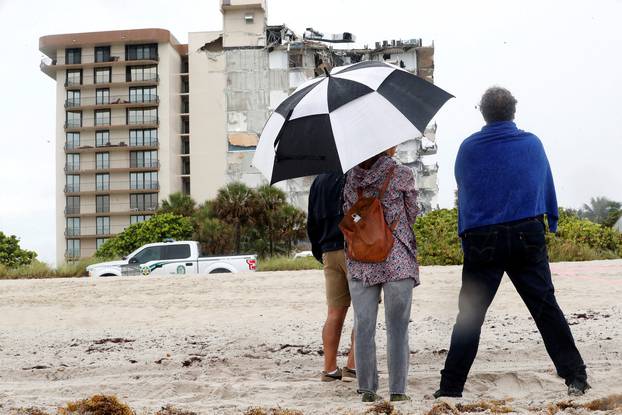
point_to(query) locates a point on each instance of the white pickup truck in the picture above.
(172, 258)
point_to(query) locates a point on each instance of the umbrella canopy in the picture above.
(335, 122)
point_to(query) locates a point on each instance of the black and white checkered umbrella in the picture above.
(334, 122)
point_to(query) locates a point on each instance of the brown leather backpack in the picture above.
(368, 236)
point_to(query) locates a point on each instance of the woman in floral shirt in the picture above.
(396, 276)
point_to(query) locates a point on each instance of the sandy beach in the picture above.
(220, 344)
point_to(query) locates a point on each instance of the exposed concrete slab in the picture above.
(243, 139)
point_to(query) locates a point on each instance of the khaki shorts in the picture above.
(337, 291)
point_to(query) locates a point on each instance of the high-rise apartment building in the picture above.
(140, 116)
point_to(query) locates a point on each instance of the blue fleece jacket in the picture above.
(503, 175)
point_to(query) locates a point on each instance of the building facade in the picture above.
(140, 116)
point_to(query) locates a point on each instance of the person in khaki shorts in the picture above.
(325, 213)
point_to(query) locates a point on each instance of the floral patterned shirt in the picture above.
(399, 203)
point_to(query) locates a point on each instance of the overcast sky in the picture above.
(561, 59)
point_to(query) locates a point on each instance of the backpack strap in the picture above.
(385, 185)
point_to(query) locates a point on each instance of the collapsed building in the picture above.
(140, 116)
(263, 65)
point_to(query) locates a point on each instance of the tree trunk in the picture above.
(270, 238)
(237, 237)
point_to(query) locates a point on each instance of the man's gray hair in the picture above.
(497, 104)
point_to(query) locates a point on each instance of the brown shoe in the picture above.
(331, 377)
(347, 374)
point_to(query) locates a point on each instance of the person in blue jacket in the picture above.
(505, 189)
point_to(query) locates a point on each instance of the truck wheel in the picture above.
(220, 271)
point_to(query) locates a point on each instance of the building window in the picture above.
(73, 227)
(102, 203)
(72, 205)
(102, 161)
(102, 138)
(73, 99)
(249, 18)
(143, 201)
(102, 75)
(142, 73)
(143, 94)
(102, 54)
(141, 52)
(103, 225)
(142, 116)
(144, 180)
(73, 248)
(73, 183)
(139, 218)
(99, 242)
(102, 181)
(72, 140)
(144, 137)
(73, 56)
(72, 162)
(102, 117)
(73, 119)
(102, 96)
(144, 159)
(74, 77)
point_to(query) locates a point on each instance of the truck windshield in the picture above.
(151, 253)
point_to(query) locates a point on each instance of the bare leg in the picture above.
(351, 363)
(331, 334)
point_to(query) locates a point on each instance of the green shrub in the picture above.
(583, 232)
(437, 238)
(283, 263)
(576, 240)
(156, 229)
(11, 254)
(563, 250)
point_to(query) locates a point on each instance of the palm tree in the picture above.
(600, 210)
(270, 200)
(179, 204)
(293, 224)
(235, 204)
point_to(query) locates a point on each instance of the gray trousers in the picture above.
(397, 302)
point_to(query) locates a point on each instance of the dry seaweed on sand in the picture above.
(443, 408)
(96, 405)
(382, 408)
(608, 403)
(170, 410)
(272, 411)
(27, 411)
(493, 406)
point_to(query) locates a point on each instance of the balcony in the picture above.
(138, 188)
(93, 168)
(135, 185)
(116, 80)
(145, 164)
(115, 101)
(115, 144)
(120, 210)
(72, 188)
(72, 210)
(111, 123)
(48, 65)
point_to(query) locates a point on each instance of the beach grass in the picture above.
(283, 263)
(38, 269)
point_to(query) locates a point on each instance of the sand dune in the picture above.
(221, 344)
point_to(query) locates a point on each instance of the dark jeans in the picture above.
(519, 249)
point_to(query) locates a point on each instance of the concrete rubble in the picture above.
(259, 77)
